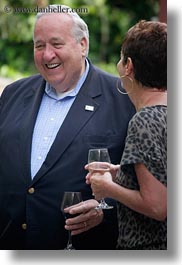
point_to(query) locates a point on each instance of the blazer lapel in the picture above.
(31, 106)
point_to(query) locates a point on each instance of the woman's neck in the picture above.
(146, 97)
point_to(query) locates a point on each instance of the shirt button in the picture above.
(31, 190)
(24, 226)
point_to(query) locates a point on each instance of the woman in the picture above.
(140, 185)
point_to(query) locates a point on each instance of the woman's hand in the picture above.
(100, 184)
(113, 169)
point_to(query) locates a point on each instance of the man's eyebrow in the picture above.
(56, 39)
(52, 39)
(38, 41)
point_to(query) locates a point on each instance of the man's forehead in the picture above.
(53, 17)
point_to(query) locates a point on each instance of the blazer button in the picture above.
(24, 226)
(31, 190)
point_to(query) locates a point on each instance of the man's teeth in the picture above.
(52, 65)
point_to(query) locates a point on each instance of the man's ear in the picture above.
(84, 45)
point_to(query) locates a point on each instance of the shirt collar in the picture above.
(51, 92)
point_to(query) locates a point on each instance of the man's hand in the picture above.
(88, 217)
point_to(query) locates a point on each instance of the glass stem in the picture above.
(69, 239)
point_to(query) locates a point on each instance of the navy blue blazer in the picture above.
(31, 218)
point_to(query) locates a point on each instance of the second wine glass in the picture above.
(97, 157)
(70, 198)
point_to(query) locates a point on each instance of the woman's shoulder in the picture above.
(150, 114)
(149, 119)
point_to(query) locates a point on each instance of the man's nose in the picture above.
(48, 53)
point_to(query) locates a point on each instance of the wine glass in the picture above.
(96, 157)
(70, 198)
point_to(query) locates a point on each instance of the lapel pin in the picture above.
(89, 108)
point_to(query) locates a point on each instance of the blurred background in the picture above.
(108, 20)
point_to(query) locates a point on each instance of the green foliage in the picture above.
(107, 20)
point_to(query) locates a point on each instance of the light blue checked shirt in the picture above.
(52, 112)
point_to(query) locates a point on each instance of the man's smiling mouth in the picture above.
(53, 65)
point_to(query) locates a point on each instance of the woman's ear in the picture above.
(129, 66)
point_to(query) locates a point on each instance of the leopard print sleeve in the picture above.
(146, 142)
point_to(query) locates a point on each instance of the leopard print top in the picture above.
(146, 143)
